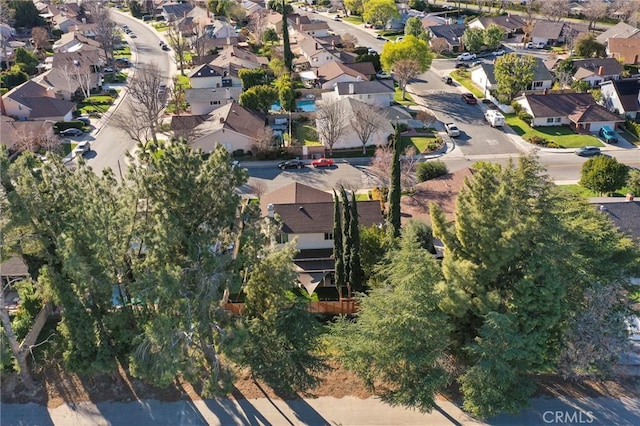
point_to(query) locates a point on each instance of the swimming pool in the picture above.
(305, 105)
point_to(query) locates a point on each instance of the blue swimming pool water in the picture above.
(306, 105)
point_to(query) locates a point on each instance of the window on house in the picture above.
(549, 120)
(282, 238)
(558, 120)
(214, 102)
(328, 235)
(537, 84)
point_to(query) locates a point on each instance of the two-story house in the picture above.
(316, 53)
(333, 73)
(211, 87)
(32, 101)
(234, 55)
(622, 97)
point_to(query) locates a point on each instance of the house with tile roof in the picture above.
(483, 76)
(579, 111)
(334, 72)
(625, 50)
(376, 92)
(596, 70)
(230, 125)
(619, 30)
(450, 34)
(622, 97)
(32, 101)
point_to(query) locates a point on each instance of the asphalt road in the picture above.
(110, 144)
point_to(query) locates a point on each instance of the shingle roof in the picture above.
(331, 70)
(627, 49)
(619, 30)
(365, 68)
(179, 10)
(13, 131)
(295, 192)
(81, 59)
(314, 218)
(512, 23)
(592, 114)
(628, 91)
(626, 216)
(205, 70)
(548, 29)
(364, 88)
(588, 67)
(578, 107)
(452, 33)
(234, 117)
(14, 267)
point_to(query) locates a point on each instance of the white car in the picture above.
(466, 56)
(499, 52)
(381, 75)
(81, 149)
(452, 129)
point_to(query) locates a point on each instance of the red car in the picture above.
(469, 98)
(322, 162)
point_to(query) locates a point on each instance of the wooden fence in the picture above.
(336, 307)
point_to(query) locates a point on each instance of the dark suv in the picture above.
(447, 80)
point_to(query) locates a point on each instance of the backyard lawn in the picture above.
(563, 136)
(306, 135)
(464, 78)
(586, 193)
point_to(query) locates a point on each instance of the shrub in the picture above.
(430, 170)
(380, 194)
(238, 153)
(633, 127)
(552, 145)
(524, 116)
(516, 107)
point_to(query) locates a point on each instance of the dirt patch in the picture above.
(59, 387)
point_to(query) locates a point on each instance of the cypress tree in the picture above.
(337, 243)
(288, 54)
(356, 277)
(395, 190)
(346, 238)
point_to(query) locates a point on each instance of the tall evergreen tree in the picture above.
(395, 190)
(346, 239)
(337, 243)
(356, 277)
(286, 43)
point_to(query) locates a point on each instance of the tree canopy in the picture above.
(603, 174)
(513, 74)
(410, 48)
(379, 12)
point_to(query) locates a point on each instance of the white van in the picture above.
(495, 118)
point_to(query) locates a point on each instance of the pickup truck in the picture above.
(452, 129)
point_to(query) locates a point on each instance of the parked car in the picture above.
(383, 75)
(499, 52)
(469, 98)
(379, 37)
(466, 56)
(81, 149)
(322, 162)
(608, 134)
(107, 69)
(588, 151)
(165, 48)
(538, 45)
(132, 35)
(337, 18)
(85, 120)
(462, 65)
(495, 118)
(447, 80)
(452, 129)
(291, 164)
(71, 132)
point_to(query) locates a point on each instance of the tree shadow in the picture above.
(253, 416)
(305, 413)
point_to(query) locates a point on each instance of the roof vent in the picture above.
(301, 208)
(603, 208)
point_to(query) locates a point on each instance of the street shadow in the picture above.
(253, 416)
(228, 414)
(447, 416)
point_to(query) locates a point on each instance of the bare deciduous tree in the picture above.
(425, 117)
(439, 45)
(198, 40)
(405, 70)
(330, 123)
(80, 75)
(264, 141)
(365, 121)
(180, 46)
(381, 165)
(33, 139)
(629, 11)
(257, 187)
(40, 37)
(594, 10)
(349, 41)
(554, 10)
(133, 123)
(257, 24)
(107, 33)
(177, 96)
(348, 184)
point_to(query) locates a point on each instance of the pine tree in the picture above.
(288, 54)
(395, 190)
(337, 243)
(356, 275)
(346, 239)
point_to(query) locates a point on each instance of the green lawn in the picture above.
(563, 136)
(161, 26)
(586, 193)
(95, 104)
(353, 19)
(421, 143)
(183, 81)
(122, 53)
(362, 197)
(306, 135)
(68, 147)
(397, 97)
(120, 77)
(464, 78)
(353, 153)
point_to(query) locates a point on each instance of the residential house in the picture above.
(274, 21)
(234, 55)
(443, 191)
(376, 92)
(576, 110)
(196, 17)
(204, 100)
(231, 125)
(20, 135)
(66, 24)
(625, 50)
(596, 70)
(80, 68)
(219, 29)
(75, 41)
(483, 76)
(294, 193)
(251, 7)
(349, 138)
(429, 21)
(625, 214)
(553, 33)
(333, 73)
(175, 11)
(450, 34)
(206, 76)
(32, 101)
(619, 30)
(315, 53)
(622, 97)
(365, 68)
(511, 24)
(313, 28)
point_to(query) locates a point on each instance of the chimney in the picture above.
(227, 93)
(352, 89)
(298, 20)
(317, 46)
(271, 210)
(629, 197)
(601, 70)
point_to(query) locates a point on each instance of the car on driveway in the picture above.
(81, 149)
(380, 37)
(588, 151)
(499, 52)
(608, 135)
(322, 162)
(291, 164)
(447, 80)
(469, 98)
(71, 132)
(452, 129)
(165, 48)
(462, 65)
(466, 56)
(381, 75)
